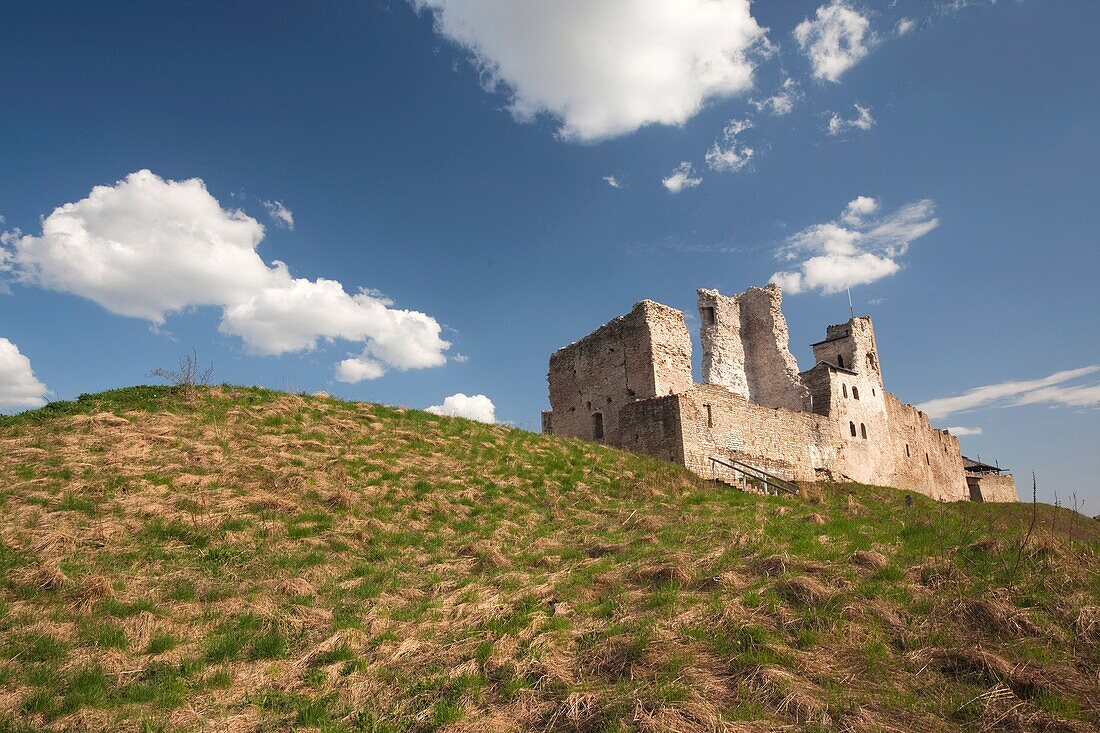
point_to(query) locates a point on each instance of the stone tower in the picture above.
(639, 356)
(852, 346)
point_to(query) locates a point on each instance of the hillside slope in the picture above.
(241, 559)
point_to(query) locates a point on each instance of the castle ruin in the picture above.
(629, 384)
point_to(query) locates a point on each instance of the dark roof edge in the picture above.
(831, 365)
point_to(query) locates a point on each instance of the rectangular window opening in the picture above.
(597, 426)
(707, 313)
(710, 417)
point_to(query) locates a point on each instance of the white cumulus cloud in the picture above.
(859, 209)
(280, 214)
(862, 121)
(728, 154)
(358, 369)
(147, 247)
(683, 176)
(852, 250)
(1051, 390)
(474, 407)
(606, 68)
(19, 388)
(835, 40)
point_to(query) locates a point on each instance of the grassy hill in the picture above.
(240, 559)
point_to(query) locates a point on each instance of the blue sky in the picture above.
(445, 166)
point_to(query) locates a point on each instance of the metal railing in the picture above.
(751, 477)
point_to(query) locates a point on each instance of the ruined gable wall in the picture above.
(770, 368)
(630, 358)
(746, 347)
(720, 334)
(670, 348)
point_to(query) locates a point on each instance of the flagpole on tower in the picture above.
(851, 309)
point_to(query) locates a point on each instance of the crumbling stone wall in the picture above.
(711, 422)
(720, 335)
(834, 421)
(993, 487)
(746, 347)
(925, 459)
(644, 354)
(718, 423)
(654, 427)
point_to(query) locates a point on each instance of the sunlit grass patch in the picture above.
(302, 562)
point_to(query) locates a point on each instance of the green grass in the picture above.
(307, 562)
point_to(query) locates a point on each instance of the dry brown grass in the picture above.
(677, 572)
(789, 694)
(869, 559)
(1087, 624)
(1024, 679)
(997, 615)
(805, 590)
(254, 561)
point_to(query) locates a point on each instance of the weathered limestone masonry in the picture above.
(641, 355)
(629, 384)
(992, 487)
(745, 349)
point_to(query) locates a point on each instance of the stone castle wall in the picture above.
(746, 347)
(993, 487)
(834, 421)
(924, 458)
(654, 427)
(641, 355)
(715, 422)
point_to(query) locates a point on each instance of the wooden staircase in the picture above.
(745, 477)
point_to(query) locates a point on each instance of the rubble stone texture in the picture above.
(746, 347)
(641, 355)
(629, 384)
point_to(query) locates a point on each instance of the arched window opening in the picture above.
(863, 430)
(840, 361)
(844, 389)
(852, 427)
(855, 392)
